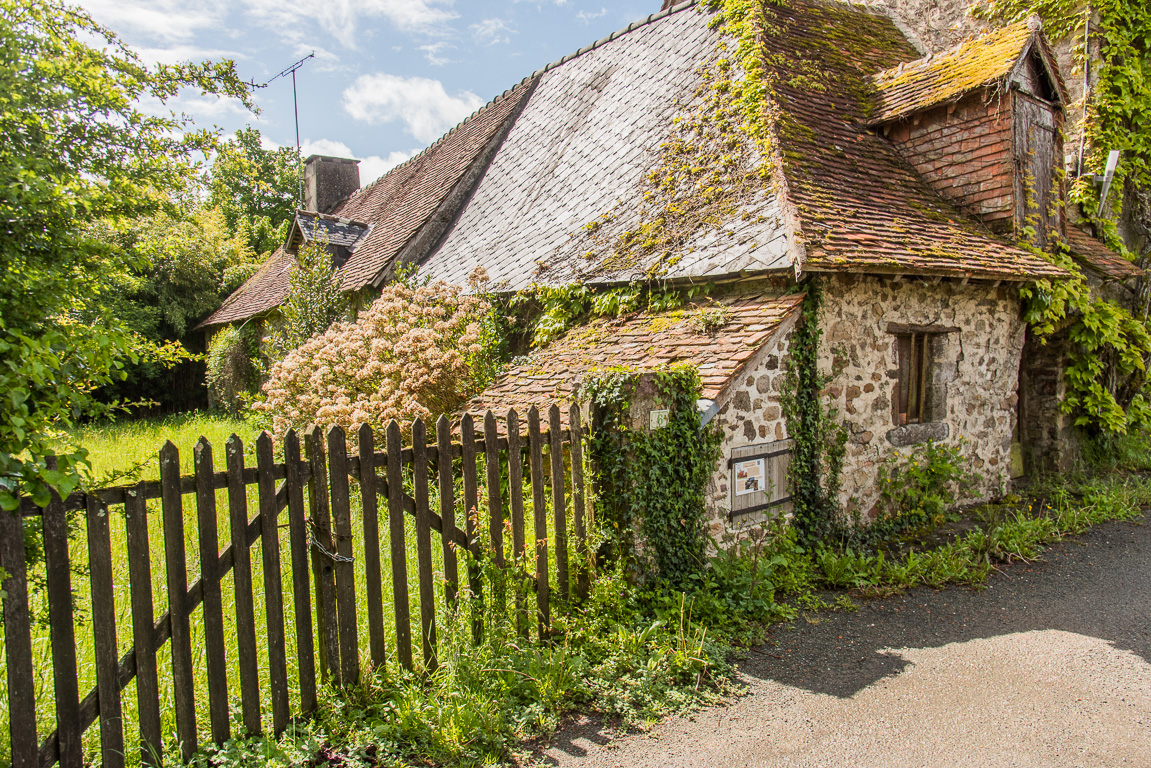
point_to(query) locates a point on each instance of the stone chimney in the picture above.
(328, 180)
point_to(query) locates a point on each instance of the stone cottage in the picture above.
(900, 182)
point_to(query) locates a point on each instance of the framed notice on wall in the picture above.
(749, 477)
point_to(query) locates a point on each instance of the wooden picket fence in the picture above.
(315, 489)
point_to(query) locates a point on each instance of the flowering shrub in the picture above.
(417, 351)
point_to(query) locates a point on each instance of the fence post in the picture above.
(447, 508)
(372, 577)
(104, 634)
(143, 634)
(559, 503)
(539, 510)
(495, 509)
(58, 572)
(273, 581)
(516, 502)
(18, 643)
(298, 532)
(344, 570)
(424, 543)
(217, 665)
(322, 565)
(471, 513)
(583, 564)
(399, 551)
(247, 659)
(177, 576)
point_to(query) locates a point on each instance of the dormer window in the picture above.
(982, 124)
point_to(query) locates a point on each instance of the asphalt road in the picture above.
(1048, 666)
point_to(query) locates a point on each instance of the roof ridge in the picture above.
(681, 6)
(500, 97)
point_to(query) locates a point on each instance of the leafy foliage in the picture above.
(256, 188)
(77, 149)
(819, 440)
(653, 482)
(233, 367)
(924, 485)
(1107, 373)
(181, 265)
(314, 300)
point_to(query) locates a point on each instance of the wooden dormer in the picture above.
(983, 123)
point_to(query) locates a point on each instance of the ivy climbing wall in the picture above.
(973, 367)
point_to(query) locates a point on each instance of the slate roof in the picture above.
(644, 342)
(582, 148)
(1099, 257)
(402, 202)
(947, 75)
(860, 206)
(261, 292)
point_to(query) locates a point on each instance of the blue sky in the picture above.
(389, 76)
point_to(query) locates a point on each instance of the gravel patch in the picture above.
(1048, 666)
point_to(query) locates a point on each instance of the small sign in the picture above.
(658, 419)
(749, 477)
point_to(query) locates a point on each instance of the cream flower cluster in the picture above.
(408, 355)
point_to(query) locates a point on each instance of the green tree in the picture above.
(314, 300)
(77, 149)
(256, 187)
(182, 265)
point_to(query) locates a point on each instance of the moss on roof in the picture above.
(935, 79)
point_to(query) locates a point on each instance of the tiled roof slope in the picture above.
(644, 342)
(401, 202)
(263, 291)
(861, 206)
(581, 148)
(1099, 257)
(947, 75)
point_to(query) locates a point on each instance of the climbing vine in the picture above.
(1111, 343)
(819, 439)
(653, 482)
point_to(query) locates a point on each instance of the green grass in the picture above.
(124, 446)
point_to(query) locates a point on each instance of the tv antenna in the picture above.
(296, 109)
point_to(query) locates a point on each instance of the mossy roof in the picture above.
(917, 85)
(260, 293)
(643, 342)
(860, 207)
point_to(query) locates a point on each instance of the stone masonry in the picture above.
(749, 414)
(973, 374)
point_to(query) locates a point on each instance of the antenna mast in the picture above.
(296, 109)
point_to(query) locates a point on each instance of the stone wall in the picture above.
(749, 414)
(973, 374)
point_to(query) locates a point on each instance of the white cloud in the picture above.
(586, 17)
(372, 167)
(167, 21)
(492, 32)
(422, 104)
(180, 53)
(342, 18)
(433, 51)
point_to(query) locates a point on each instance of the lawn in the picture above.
(133, 446)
